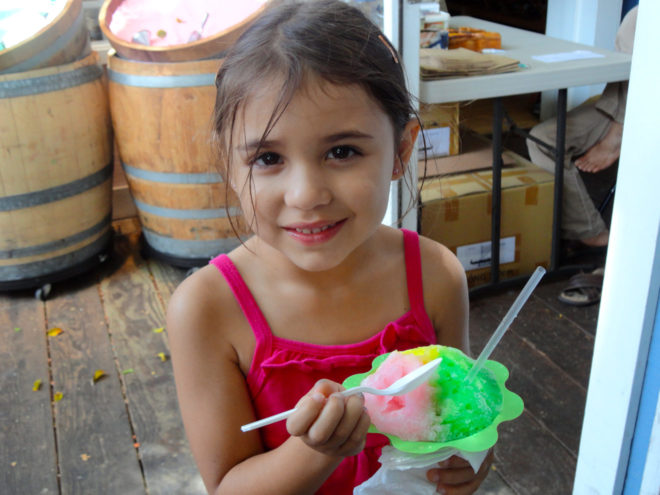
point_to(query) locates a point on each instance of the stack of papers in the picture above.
(436, 64)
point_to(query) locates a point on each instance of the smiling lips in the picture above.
(316, 233)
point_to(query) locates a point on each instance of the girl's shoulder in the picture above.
(203, 309)
(445, 293)
(437, 259)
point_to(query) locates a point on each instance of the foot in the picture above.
(604, 153)
(597, 240)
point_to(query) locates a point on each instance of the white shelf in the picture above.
(536, 76)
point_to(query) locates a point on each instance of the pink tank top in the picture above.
(283, 370)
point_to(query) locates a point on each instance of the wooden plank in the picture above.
(28, 460)
(494, 484)
(585, 317)
(94, 435)
(134, 310)
(166, 278)
(531, 461)
(555, 400)
(561, 340)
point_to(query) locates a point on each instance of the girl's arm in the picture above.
(209, 358)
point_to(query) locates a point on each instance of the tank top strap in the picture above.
(414, 273)
(245, 299)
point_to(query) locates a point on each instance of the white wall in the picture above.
(590, 22)
(630, 290)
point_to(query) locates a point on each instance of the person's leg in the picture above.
(585, 126)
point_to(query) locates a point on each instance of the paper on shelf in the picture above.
(435, 64)
(566, 56)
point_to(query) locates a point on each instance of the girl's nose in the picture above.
(307, 187)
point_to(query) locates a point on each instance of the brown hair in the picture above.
(327, 39)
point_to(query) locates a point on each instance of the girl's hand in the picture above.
(328, 422)
(456, 477)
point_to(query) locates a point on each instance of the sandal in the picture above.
(583, 289)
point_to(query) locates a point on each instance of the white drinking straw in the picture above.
(506, 321)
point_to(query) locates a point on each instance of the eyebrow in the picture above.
(332, 138)
(350, 134)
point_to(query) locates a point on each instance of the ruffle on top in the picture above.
(290, 369)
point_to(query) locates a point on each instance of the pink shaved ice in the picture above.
(410, 416)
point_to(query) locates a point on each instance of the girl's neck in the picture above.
(278, 267)
(345, 304)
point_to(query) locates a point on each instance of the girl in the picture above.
(313, 122)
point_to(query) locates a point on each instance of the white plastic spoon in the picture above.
(402, 386)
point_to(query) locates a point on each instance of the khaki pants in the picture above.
(585, 126)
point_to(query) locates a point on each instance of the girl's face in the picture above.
(320, 183)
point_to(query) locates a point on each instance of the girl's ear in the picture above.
(405, 148)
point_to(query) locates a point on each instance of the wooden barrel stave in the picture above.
(162, 115)
(55, 172)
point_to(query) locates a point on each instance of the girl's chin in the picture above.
(316, 264)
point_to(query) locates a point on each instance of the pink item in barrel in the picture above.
(411, 416)
(176, 22)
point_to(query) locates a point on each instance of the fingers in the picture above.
(332, 424)
(307, 410)
(456, 477)
(341, 428)
(310, 406)
(327, 387)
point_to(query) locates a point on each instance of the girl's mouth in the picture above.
(315, 230)
(315, 233)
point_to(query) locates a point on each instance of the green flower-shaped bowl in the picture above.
(512, 407)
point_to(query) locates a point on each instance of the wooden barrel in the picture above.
(64, 40)
(55, 172)
(212, 46)
(162, 117)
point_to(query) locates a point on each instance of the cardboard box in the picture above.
(476, 154)
(440, 129)
(457, 210)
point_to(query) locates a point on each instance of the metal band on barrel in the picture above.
(26, 200)
(50, 83)
(172, 177)
(43, 268)
(189, 248)
(181, 81)
(181, 214)
(58, 244)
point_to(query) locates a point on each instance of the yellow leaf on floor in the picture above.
(159, 330)
(162, 356)
(58, 396)
(36, 385)
(98, 374)
(54, 332)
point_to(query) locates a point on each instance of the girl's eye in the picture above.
(341, 152)
(267, 159)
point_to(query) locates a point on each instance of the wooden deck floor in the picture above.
(123, 434)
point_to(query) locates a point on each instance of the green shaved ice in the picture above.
(463, 408)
